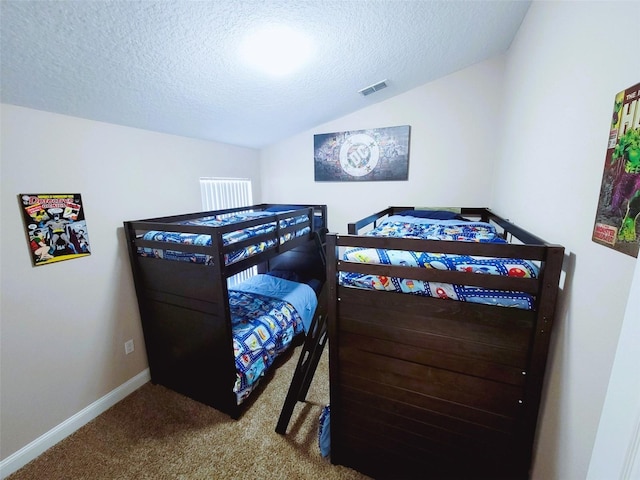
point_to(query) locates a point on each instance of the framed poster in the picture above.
(616, 223)
(362, 155)
(55, 225)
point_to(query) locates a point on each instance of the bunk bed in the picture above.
(438, 370)
(206, 337)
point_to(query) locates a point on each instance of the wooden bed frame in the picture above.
(184, 306)
(438, 387)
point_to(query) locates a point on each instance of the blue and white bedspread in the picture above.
(227, 238)
(410, 227)
(266, 314)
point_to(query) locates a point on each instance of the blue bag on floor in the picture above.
(324, 437)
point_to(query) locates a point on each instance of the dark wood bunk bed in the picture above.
(185, 305)
(437, 387)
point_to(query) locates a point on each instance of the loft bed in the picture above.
(206, 337)
(434, 370)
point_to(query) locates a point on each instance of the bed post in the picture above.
(549, 281)
(332, 328)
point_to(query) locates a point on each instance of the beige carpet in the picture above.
(156, 433)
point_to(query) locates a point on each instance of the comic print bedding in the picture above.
(227, 238)
(429, 229)
(266, 314)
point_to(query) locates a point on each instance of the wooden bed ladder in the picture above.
(309, 357)
(306, 367)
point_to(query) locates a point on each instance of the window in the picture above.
(221, 193)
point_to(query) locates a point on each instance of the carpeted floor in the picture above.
(156, 434)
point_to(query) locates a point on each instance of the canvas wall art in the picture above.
(378, 154)
(618, 212)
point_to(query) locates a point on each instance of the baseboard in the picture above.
(31, 451)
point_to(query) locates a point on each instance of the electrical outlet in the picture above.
(128, 347)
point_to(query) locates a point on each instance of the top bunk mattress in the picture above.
(228, 238)
(404, 226)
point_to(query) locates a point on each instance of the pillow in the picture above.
(434, 214)
(317, 220)
(282, 208)
(324, 432)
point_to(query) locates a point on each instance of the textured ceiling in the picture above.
(172, 66)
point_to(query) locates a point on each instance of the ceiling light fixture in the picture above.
(276, 50)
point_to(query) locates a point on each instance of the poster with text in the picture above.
(362, 155)
(616, 223)
(56, 226)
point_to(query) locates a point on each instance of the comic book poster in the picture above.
(362, 155)
(617, 223)
(55, 225)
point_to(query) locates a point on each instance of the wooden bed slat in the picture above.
(509, 356)
(450, 386)
(182, 352)
(373, 452)
(187, 280)
(528, 285)
(438, 308)
(509, 341)
(422, 436)
(445, 358)
(499, 250)
(443, 413)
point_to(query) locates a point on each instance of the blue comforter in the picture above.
(266, 314)
(410, 227)
(227, 238)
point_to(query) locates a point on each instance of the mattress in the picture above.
(403, 226)
(267, 312)
(227, 238)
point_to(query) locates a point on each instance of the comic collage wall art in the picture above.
(55, 225)
(362, 155)
(617, 216)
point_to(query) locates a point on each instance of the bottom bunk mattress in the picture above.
(401, 226)
(267, 312)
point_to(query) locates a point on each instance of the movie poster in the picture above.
(362, 155)
(616, 223)
(56, 227)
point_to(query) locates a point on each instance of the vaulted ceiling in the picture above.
(175, 66)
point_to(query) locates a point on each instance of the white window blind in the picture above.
(222, 193)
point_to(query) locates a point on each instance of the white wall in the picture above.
(455, 134)
(563, 70)
(616, 452)
(527, 138)
(64, 325)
